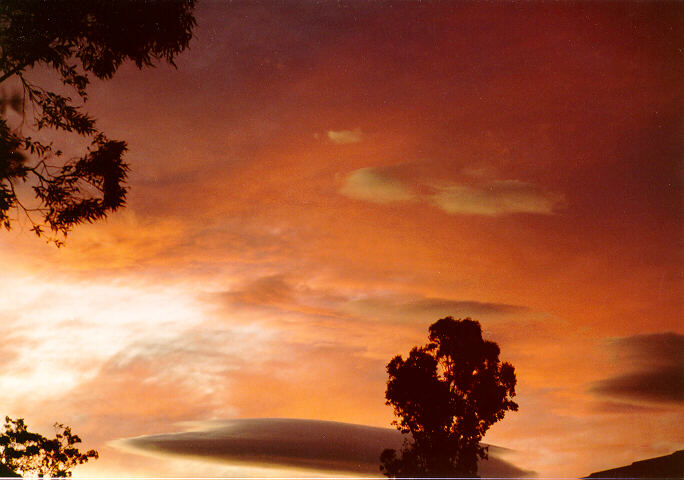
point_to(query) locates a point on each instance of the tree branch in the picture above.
(14, 71)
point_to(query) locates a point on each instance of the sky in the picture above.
(316, 183)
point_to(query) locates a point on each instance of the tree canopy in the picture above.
(446, 395)
(30, 453)
(73, 39)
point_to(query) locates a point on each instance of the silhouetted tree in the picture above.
(73, 38)
(30, 453)
(447, 394)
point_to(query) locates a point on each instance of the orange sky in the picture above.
(317, 183)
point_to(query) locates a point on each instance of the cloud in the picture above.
(294, 443)
(180, 377)
(496, 198)
(345, 136)
(653, 350)
(367, 184)
(95, 319)
(412, 308)
(289, 295)
(267, 290)
(230, 370)
(655, 369)
(618, 408)
(663, 385)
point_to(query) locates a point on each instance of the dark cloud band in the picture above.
(655, 364)
(294, 443)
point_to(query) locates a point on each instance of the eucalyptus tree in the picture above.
(446, 394)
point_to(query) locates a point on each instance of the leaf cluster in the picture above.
(74, 39)
(446, 395)
(31, 453)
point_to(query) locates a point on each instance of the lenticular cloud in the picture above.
(292, 443)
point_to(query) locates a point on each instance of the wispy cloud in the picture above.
(370, 185)
(398, 308)
(290, 295)
(345, 136)
(264, 291)
(495, 198)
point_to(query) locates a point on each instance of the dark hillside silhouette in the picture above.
(668, 466)
(446, 395)
(73, 39)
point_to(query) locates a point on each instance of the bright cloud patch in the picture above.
(497, 198)
(345, 136)
(97, 319)
(367, 184)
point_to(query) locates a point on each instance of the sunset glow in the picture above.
(318, 182)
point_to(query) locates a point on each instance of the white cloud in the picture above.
(345, 136)
(367, 184)
(62, 332)
(496, 198)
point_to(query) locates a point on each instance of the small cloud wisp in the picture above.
(345, 136)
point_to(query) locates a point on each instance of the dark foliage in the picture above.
(446, 395)
(30, 453)
(74, 39)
